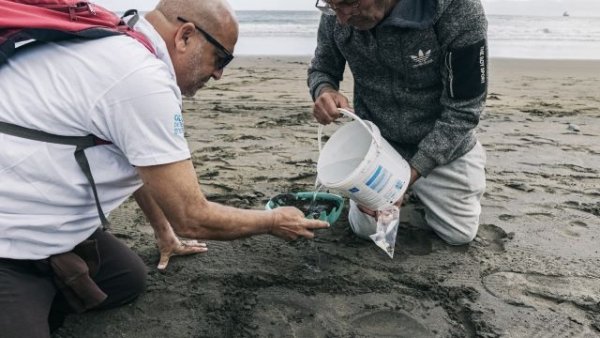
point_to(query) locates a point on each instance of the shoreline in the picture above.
(308, 56)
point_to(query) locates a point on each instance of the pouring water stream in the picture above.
(313, 214)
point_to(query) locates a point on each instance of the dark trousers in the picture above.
(30, 305)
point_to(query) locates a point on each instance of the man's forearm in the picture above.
(328, 64)
(322, 88)
(221, 222)
(153, 213)
(175, 192)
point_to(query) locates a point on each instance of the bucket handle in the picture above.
(356, 118)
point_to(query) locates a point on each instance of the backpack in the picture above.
(22, 21)
(53, 20)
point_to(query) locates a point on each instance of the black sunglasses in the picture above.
(222, 61)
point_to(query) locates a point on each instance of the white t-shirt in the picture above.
(113, 88)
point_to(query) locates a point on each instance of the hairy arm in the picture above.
(158, 221)
(168, 243)
(177, 193)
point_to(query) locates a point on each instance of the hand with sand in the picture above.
(289, 223)
(170, 245)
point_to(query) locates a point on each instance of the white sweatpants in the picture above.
(451, 195)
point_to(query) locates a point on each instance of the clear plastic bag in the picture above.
(388, 220)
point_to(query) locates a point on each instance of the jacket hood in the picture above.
(417, 14)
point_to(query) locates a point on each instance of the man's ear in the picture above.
(183, 36)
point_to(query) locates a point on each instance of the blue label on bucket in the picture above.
(379, 180)
(354, 190)
(399, 185)
(382, 181)
(374, 176)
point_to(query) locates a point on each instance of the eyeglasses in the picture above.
(222, 60)
(347, 7)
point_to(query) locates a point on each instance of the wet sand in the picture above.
(532, 271)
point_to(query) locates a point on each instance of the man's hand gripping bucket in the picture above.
(358, 161)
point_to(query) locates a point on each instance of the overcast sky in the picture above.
(523, 7)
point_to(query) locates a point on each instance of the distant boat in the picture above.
(566, 14)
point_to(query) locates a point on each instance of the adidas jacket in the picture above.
(420, 75)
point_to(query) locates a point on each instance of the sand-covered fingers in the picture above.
(179, 248)
(191, 246)
(289, 223)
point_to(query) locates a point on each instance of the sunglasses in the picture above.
(222, 60)
(328, 8)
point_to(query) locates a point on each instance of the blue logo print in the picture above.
(178, 124)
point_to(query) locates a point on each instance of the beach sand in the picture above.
(532, 271)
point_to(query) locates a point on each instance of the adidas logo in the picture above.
(421, 59)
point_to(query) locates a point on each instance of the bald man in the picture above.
(115, 89)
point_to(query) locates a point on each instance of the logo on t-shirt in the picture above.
(178, 124)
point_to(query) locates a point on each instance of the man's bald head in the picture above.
(195, 33)
(211, 15)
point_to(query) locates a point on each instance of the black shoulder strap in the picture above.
(80, 142)
(134, 17)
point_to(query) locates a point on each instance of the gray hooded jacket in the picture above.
(420, 75)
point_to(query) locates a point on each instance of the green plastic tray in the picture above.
(333, 215)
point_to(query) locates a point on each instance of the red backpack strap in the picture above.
(52, 20)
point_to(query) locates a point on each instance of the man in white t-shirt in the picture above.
(115, 89)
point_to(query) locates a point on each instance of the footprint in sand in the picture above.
(288, 316)
(571, 224)
(491, 236)
(557, 325)
(538, 291)
(574, 228)
(559, 301)
(388, 323)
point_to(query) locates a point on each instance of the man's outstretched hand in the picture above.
(289, 223)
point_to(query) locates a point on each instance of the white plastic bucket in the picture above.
(358, 160)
